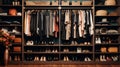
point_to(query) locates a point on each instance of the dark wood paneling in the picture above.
(61, 66)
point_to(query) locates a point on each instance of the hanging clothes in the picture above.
(67, 24)
(44, 23)
(27, 23)
(77, 24)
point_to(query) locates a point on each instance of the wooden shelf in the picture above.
(10, 5)
(9, 16)
(57, 62)
(76, 53)
(11, 25)
(41, 52)
(107, 53)
(76, 45)
(15, 52)
(76, 7)
(15, 62)
(107, 6)
(102, 25)
(107, 34)
(106, 16)
(41, 7)
(109, 44)
(56, 45)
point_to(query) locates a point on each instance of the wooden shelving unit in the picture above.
(60, 49)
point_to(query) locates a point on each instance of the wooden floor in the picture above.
(61, 66)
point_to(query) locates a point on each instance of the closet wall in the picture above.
(63, 31)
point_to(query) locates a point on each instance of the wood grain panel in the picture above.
(61, 66)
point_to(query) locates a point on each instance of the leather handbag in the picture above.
(103, 49)
(113, 49)
(17, 49)
(12, 12)
(17, 40)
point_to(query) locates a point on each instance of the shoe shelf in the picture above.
(70, 52)
(107, 42)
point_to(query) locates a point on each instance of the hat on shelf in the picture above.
(101, 13)
(104, 20)
(110, 2)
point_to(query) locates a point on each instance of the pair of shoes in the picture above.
(102, 58)
(74, 43)
(29, 50)
(54, 50)
(66, 58)
(85, 51)
(17, 58)
(75, 59)
(36, 58)
(108, 59)
(66, 50)
(87, 59)
(47, 50)
(29, 43)
(79, 50)
(43, 58)
(86, 43)
(114, 58)
(29, 58)
(55, 59)
(51, 42)
(97, 40)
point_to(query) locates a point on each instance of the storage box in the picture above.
(75, 3)
(65, 3)
(86, 3)
(55, 3)
(37, 3)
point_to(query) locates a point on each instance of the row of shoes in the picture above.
(65, 58)
(80, 50)
(87, 59)
(112, 58)
(46, 50)
(31, 42)
(76, 43)
(106, 40)
(49, 50)
(16, 58)
(43, 58)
